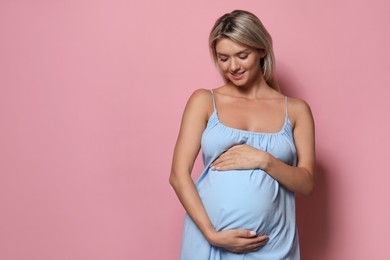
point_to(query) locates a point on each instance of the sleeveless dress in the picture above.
(244, 199)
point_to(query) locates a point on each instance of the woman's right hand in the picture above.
(237, 240)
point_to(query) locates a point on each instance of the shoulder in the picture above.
(298, 105)
(200, 95)
(201, 100)
(298, 110)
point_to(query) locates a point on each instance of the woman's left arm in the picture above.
(298, 178)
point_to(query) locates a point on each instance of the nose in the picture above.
(234, 66)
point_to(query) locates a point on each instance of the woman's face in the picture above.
(238, 63)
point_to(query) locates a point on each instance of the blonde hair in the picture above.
(245, 28)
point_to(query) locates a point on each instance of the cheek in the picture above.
(254, 64)
(224, 67)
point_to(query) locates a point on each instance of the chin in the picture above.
(240, 83)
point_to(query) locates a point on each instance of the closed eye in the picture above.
(223, 58)
(243, 56)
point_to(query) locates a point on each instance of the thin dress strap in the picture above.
(286, 102)
(212, 94)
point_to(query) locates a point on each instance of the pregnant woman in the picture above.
(257, 147)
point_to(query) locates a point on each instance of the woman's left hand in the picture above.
(241, 157)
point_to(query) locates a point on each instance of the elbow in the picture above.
(308, 189)
(178, 179)
(174, 180)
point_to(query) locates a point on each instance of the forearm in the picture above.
(295, 178)
(188, 195)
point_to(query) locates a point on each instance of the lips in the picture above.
(237, 76)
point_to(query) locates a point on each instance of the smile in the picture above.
(237, 76)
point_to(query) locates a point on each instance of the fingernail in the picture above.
(252, 233)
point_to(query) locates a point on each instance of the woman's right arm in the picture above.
(187, 147)
(194, 120)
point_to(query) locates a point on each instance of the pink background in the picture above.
(91, 96)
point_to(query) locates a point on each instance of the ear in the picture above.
(261, 53)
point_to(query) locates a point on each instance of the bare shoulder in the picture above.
(201, 95)
(201, 101)
(298, 105)
(298, 109)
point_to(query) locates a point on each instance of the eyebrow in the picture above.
(242, 51)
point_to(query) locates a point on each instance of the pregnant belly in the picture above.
(241, 199)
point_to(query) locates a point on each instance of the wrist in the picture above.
(265, 161)
(210, 236)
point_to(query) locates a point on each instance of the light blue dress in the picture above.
(244, 199)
